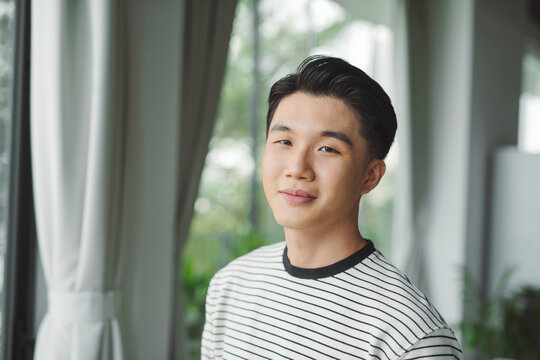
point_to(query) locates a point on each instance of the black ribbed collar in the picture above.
(330, 270)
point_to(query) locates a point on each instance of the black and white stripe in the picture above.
(262, 307)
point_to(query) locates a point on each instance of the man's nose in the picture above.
(300, 165)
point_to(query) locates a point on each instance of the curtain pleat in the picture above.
(77, 139)
(410, 205)
(206, 33)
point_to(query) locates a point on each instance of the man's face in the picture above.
(315, 166)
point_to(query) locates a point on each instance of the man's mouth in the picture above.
(297, 196)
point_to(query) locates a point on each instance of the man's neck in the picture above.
(315, 249)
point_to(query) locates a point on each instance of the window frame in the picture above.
(20, 264)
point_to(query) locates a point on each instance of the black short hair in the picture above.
(329, 76)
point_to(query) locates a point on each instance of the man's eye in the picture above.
(284, 142)
(328, 149)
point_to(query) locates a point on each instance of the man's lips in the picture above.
(297, 196)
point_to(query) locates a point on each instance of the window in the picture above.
(231, 216)
(529, 105)
(17, 230)
(6, 74)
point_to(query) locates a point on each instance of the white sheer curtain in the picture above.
(409, 210)
(432, 237)
(77, 157)
(206, 33)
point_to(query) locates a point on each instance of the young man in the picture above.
(326, 292)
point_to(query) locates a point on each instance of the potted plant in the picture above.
(501, 325)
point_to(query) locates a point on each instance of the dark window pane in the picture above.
(6, 70)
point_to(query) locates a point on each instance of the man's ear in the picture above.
(374, 173)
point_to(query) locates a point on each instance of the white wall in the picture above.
(515, 217)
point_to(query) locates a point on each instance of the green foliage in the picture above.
(505, 326)
(484, 326)
(195, 281)
(195, 285)
(522, 324)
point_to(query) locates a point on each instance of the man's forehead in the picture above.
(316, 112)
(300, 100)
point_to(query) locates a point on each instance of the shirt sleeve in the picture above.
(440, 344)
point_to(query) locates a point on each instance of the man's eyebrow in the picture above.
(279, 127)
(337, 135)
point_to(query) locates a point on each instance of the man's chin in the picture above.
(291, 223)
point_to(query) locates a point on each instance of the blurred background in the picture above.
(176, 96)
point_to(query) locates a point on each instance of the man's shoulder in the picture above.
(386, 276)
(386, 287)
(267, 256)
(261, 255)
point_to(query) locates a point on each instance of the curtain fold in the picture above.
(77, 140)
(206, 33)
(411, 77)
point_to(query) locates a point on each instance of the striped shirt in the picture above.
(260, 306)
